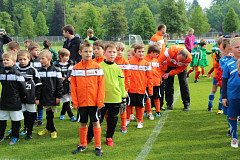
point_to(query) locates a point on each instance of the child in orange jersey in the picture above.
(98, 49)
(152, 54)
(87, 91)
(124, 65)
(141, 78)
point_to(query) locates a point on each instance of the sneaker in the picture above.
(23, 133)
(150, 116)
(132, 117)
(163, 108)
(234, 143)
(109, 142)
(228, 133)
(145, 114)
(39, 123)
(158, 114)
(204, 75)
(170, 107)
(28, 137)
(123, 130)
(54, 134)
(43, 132)
(79, 149)
(9, 136)
(195, 81)
(186, 108)
(13, 140)
(73, 119)
(140, 125)
(98, 151)
(220, 111)
(61, 117)
(127, 122)
(209, 109)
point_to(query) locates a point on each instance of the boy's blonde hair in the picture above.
(110, 45)
(11, 55)
(46, 53)
(99, 43)
(13, 45)
(219, 40)
(138, 46)
(90, 31)
(85, 44)
(234, 41)
(63, 52)
(120, 46)
(33, 45)
(23, 53)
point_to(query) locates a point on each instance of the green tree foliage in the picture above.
(143, 22)
(116, 23)
(6, 22)
(230, 22)
(215, 17)
(27, 24)
(40, 26)
(183, 16)
(199, 21)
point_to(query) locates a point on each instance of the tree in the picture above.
(116, 23)
(183, 16)
(41, 27)
(27, 24)
(143, 22)
(199, 22)
(215, 17)
(57, 20)
(231, 21)
(6, 22)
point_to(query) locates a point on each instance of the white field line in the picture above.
(156, 131)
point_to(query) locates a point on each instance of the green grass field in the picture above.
(181, 135)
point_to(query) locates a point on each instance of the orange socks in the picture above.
(157, 104)
(148, 106)
(124, 119)
(83, 136)
(129, 111)
(139, 113)
(97, 136)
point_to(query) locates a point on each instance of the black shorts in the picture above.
(156, 92)
(135, 99)
(92, 112)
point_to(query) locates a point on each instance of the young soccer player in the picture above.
(98, 50)
(13, 90)
(124, 65)
(27, 42)
(87, 91)
(51, 91)
(33, 86)
(13, 46)
(47, 45)
(141, 78)
(65, 66)
(231, 90)
(151, 57)
(195, 58)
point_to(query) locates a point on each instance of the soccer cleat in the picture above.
(186, 108)
(170, 107)
(220, 111)
(43, 132)
(61, 117)
(79, 149)
(109, 142)
(23, 132)
(54, 134)
(140, 125)
(234, 143)
(8, 136)
(13, 140)
(127, 122)
(209, 109)
(98, 151)
(73, 119)
(132, 117)
(39, 123)
(150, 116)
(28, 137)
(123, 130)
(163, 108)
(145, 114)
(195, 81)
(228, 133)
(158, 114)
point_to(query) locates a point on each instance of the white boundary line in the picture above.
(156, 131)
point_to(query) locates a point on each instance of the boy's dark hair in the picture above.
(161, 26)
(153, 49)
(219, 40)
(28, 41)
(202, 43)
(184, 53)
(110, 45)
(225, 42)
(68, 28)
(99, 43)
(46, 44)
(13, 45)
(33, 45)
(138, 46)
(62, 52)
(85, 44)
(22, 53)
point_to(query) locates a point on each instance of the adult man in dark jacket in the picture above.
(4, 39)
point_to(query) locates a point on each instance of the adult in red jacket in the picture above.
(174, 61)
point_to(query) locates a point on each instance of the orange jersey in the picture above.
(124, 65)
(87, 84)
(215, 65)
(158, 38)
(169, 58)
(141, 76)
(99, 59)
(155, 70)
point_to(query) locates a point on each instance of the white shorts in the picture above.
(11, 115)
(54, 108)
(65, 98)
(29, 107)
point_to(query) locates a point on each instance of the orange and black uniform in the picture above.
(98, 59)
(87, 92)
(169, 64)
(141, 78)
